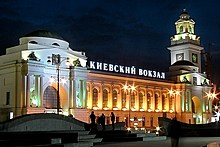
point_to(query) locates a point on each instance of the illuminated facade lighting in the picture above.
(99, 86)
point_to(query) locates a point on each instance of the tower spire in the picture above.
(185, 45)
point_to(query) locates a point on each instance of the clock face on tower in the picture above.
(194, 58)
(179, 57)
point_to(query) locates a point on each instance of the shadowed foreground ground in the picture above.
(183, 142)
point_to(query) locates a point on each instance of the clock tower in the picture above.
(185, 45)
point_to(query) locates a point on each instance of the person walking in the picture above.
(102, 121)
(92, 118)
(113, 120)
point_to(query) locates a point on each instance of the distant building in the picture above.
(28, 82)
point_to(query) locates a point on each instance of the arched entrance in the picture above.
(197, 110)
(50, 98)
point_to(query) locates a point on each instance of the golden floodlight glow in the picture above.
(149, 110)
(157, 110)
(124, 109)
(170, 92)
(106, 108)
(133, 109)
(177, 92)
(157, 128)
(141, 109)
(211, 95)
(95, 108)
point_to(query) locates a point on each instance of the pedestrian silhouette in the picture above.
(113, 120)
(174, 129)
(92, 118)
(102, 121)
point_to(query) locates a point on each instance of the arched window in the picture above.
(33, 42)
(50, 97)
(56, 44)
(190, 29)
(148, 101)
(123, 98)
(140, 100)
(164, 102)
(115, 98)
(132, 100)
(156, 101)
(95, 98)
(105, 98)
(181, 29)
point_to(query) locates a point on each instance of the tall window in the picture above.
(156, 101)
(115, 98)
(164, 102)
(194, 80)
(123, 99)
(95, 98)
(140, 100)
(148, 101)
(181, 29)
(132, 99)
(105, 98)
(7, 98)
(171, 102)
(190, 29)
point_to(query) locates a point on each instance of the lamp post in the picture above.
(129, 89)
(174, 93)
(56, 60)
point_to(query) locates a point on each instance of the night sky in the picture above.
(124, 32)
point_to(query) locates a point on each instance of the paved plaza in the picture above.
(183, 142)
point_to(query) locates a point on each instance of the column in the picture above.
(41, 92)
(145, 99)
(137, 100)
(70, 93)
(37, 89)
(74, 93)
(90, 101)
(153, 100)
(190, 102)
(84, 98)
(27, 90)
(100, 97)
(110, 98)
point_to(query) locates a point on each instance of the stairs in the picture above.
(117, 136)
(85, 139)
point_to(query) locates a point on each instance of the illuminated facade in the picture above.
(29, 83)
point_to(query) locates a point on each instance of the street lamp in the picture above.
(211, 96)
(174, 93)
(129, 89)
(57, 60)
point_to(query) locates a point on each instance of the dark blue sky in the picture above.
(125, 32)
